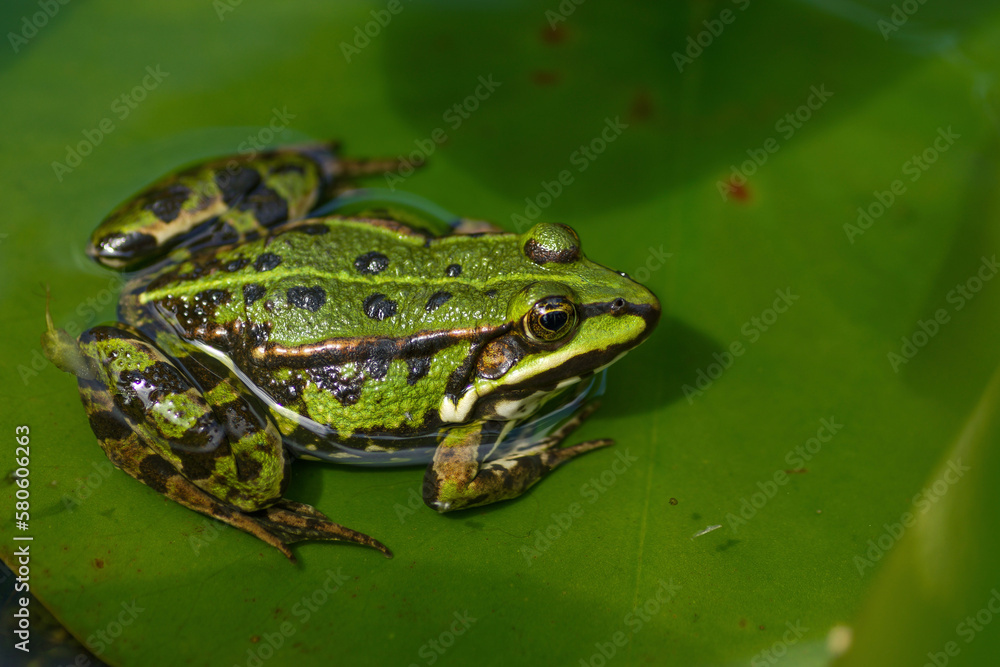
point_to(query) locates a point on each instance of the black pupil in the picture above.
(554, 320)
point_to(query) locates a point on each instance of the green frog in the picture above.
(252, 333)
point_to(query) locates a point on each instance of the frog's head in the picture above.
(574, 319)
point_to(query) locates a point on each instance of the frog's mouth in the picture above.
(590, 351)
(536, 374)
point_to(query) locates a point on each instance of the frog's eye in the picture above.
(550, 319)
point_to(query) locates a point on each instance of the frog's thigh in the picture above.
(456, 479)
(229, 451)
(236, 198)
(126, 449)
(226, 200)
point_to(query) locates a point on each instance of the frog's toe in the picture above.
(294, 522)
(440, 506)
(63, 350)
(457, 479)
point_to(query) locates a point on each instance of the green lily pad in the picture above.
(938, 596)
(813, 198)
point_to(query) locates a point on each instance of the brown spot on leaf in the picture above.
(545, 77)
(556, 34)
(737, 191)
(641, 107)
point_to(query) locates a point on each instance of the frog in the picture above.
(253, 331)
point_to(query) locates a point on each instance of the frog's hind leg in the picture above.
(205, 447)
(457, 479)
(127, 451)
(226, 200)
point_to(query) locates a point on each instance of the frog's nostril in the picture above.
(617, 305)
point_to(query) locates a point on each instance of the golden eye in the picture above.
(550, 319)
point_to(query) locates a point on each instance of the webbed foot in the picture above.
(456, 479)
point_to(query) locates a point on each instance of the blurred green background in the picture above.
(809, 187)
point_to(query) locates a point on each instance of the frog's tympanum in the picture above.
(251, 333)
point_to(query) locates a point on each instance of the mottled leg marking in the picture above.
(206, 447)
(130, 454)
(456, 479)
(226, 200)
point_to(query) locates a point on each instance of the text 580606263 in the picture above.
(22, 555)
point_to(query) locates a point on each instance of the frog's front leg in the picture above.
(457, 479)
(211, 451)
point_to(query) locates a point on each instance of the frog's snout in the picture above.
(639, 302)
